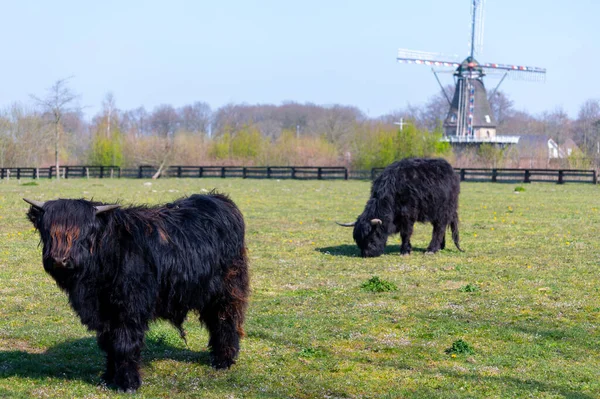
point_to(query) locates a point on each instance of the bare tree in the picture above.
(502, 108)
(56, 103)
(165, 122)
(195, 118)
(586, 125)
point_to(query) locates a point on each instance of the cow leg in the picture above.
(105, 345)
(437, 238)
(443, 245)
(123, 347)
(224, 317)
(406, 230)
(224, 339)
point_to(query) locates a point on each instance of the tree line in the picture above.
(52, 129)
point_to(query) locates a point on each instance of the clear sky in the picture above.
(326, 52)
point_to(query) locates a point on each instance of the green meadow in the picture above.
(515, 316)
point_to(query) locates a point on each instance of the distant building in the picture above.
(533, 148)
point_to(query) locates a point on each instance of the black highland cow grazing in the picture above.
(125, 266)
(408, 191)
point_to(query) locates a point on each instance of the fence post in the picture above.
(18, 173)
(594, 177)
(1, 173)
(244, 172)
(268, 172)
(293, 172)
(200, 171)
(345, 173)
(494, 175)
(179, 172)
(462, 175)
(140, 172)
(119, 172)
(101, 172)
(372, 173)
(527, 176)
(560, 176)
(319, 173)
(222, 172)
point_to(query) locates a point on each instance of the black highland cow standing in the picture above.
(408, 191)
(123, 267)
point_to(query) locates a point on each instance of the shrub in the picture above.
(375, 284)
(469, 288)
(460, 347)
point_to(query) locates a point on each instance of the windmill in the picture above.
(470, 116)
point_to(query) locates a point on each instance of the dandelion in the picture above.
(453, 355)
(474, 234)
(492, 229)
(568, 243)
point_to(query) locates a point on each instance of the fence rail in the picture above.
(66, 172)
(495, 175)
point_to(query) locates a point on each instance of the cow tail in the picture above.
(454, 228)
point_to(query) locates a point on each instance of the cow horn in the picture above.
(346, 224)
(37, 204)
(375, 222)
(104, 208)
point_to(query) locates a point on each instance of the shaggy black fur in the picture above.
(408, 191)
(124, 267)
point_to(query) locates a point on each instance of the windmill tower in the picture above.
(470, 116)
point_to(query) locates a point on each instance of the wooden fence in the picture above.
(559, 176)
(66, 172)
(251, 172)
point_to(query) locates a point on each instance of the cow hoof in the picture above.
(107, 378)
(222, 364)
(404, 253)
(430, 252)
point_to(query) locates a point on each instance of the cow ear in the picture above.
(34, 214)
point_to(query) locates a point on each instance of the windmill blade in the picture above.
(518, 72)
(476, 44)
(425, 58)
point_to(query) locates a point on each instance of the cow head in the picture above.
(68, 229)
(369, 234)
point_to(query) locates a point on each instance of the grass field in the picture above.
(524, 297)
